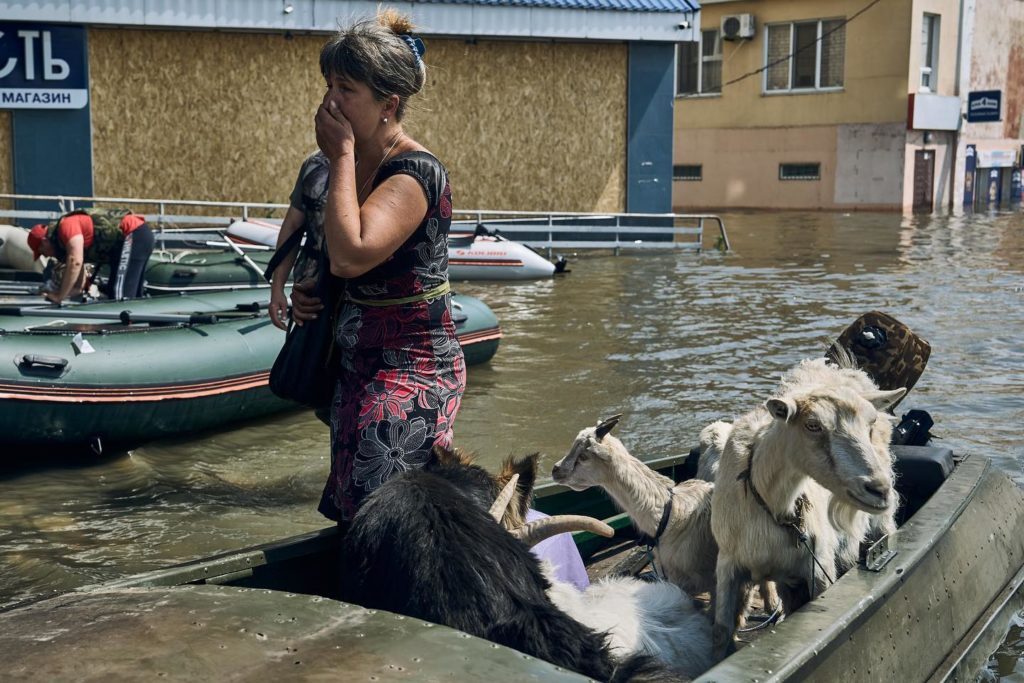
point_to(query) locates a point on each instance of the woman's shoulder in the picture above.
(424, 167)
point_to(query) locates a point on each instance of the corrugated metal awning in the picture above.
(612, 20)
(619, 5)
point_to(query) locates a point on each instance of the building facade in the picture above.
(541, 105)
(988, 170)
(820, 104)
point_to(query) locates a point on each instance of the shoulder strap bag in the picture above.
(304, 371)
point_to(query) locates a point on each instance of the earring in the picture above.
(385, 119)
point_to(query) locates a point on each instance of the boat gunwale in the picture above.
(795, 648)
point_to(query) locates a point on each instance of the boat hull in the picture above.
(933, 612)
(927, 615)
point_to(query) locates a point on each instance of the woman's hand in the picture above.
(333, 131)
(279, 308)
(305, 306)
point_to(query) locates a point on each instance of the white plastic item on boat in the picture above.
(470, 257)
(15, 252)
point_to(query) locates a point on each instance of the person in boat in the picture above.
(379, 205)
(117, 238)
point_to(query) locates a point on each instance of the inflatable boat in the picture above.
(130, 371)
(477, 255)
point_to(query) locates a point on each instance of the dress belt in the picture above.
(440, 290)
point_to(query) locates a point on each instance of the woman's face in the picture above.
(356, 102)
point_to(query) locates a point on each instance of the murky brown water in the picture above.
(672, 340)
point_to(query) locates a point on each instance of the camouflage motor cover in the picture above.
(886, 349)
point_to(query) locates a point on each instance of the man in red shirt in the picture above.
(120, 239)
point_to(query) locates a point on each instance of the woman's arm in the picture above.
(360, 238)
(278, 301)
(73, 267)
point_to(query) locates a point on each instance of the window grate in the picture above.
(687, 172)
(801, 171)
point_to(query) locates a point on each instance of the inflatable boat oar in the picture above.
(245, 257)
(126, 316)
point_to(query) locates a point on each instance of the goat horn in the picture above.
(533, 533)
(502, 501)
(606, 425)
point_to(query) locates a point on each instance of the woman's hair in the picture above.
(372, 52)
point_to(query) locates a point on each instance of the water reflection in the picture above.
(672, 340)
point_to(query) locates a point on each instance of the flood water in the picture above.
(672, 340)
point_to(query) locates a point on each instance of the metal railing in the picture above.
(546, 230)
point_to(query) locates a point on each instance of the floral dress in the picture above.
(402, 372)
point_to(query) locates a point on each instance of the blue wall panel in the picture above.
(649, 122)
(51, 149)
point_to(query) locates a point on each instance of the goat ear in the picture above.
(883, 400)
(781, 408)
(606, 425)
(451, 456)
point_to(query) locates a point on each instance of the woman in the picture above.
(115, 237)
(385, 216)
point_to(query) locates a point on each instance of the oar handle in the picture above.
(127, 318)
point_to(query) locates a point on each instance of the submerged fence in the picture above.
(547, 230)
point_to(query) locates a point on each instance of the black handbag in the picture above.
(304, 370)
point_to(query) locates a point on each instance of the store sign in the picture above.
(984, 105)
(42, 66)
(997, 158)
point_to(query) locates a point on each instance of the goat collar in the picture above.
(793, 522)
(651, 542)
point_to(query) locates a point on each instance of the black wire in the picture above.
(769, 65)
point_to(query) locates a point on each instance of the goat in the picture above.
(685, 551)
(812, 463)
(649, 617)
(424, 544)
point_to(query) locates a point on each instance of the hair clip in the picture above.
(416, 45)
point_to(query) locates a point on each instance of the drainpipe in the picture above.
(962, 87)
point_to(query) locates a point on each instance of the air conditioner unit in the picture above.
(736, 26)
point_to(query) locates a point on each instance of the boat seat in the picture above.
(920, 471)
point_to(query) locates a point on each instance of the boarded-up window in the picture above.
(807, 55)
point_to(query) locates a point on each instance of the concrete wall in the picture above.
(875, 78)
(861, 167)
(870, 168)
(949, 36)
(857, 134)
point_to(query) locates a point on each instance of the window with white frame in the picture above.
(805, 55)
(700, 65)
(930, 53)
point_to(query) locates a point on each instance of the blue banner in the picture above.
(970, 166)
(984, 105)
(43, 66)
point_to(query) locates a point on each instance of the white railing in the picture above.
(540, 229)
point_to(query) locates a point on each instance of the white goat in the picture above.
(814, 460)
(685, 550)
(640, 617)
(712, 443)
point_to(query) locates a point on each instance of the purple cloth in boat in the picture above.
(562, 553)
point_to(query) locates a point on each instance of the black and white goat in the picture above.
(426, 544)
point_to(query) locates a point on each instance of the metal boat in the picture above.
(927, 604)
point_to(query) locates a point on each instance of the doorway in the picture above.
(924, 180)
